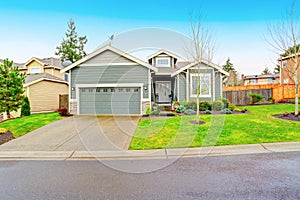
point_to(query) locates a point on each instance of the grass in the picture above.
(257, 127)
(23, 125)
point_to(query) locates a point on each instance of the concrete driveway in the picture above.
(78, 133)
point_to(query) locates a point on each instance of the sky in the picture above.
(35, 28)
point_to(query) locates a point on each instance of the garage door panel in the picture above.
(110, 100)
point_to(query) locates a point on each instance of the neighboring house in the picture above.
(286, 69)
(44, 83)
(261, 79)
(112, 82)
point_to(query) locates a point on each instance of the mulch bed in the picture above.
(197, 122)
(5, 137)
(289, 116)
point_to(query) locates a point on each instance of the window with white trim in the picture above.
(163, 62)
(204, 87)
(35, 70)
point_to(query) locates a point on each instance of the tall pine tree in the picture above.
(11, 87)
(228, 66)
(72, 48)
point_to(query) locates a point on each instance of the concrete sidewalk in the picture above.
(152, 154)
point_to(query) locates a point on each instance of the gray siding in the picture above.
(182, 88)
(108, 57)
(218, 79)
(109, 75)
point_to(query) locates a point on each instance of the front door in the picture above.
(163, 90)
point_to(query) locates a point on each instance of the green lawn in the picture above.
(257, 127)
(23, 125)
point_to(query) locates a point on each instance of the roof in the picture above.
(165, 52)
(19, 65)
(113, 49)
(204, 62)
(286, 57)
(34, 78)
(47, 62)
(262, 76)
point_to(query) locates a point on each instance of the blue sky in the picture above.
(35, 28)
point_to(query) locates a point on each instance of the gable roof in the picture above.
(165, 52)
(46, 62)
(204, 62)
(34, 78)
(110, 48)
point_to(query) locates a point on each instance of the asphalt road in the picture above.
(257, 176)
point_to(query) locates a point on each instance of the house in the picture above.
(286, 69)
(112, 82)
(43, 83)
(261, 79)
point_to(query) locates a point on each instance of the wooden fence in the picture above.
(63, 101)
(239, 94)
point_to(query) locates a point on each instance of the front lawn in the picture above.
(257, 127)
(23, 125)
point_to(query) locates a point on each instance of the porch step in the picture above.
(165, 107)
(166, 113)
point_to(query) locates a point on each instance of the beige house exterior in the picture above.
(43, 84)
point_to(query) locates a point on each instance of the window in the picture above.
(271, 80)
(136, 89)
(286, 81)
(112, 90)
(163, 62)
(35, 70)
(253, 80)
(284, 64)
(66, 77)
(128, 90)
(205, 85)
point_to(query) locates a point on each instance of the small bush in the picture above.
(244, 110)
(3, 131)
(208, 112)
(231, 106)
(225, 102)
(183, 102)
(204, 105)
(25, 110)
(255, 98)
(155, 112)
(63, 111)
(189, 112)
(226, 111)
(191, 105)
(217, 105)
(270, 99)
(148, 111)
(180, 109)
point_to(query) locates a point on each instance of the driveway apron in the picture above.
(78, 133)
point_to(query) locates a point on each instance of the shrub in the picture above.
(155, 112)
(270, 99)
(225, 102)
(63, 111)
(255, 98)
(231, 106)
(189, 112)
(191, 105)
(204, 105)
(25, 110)
(217, 105)
(148, 111)
(226, 111)
(3, 131)
(183, 102)
(180, 109)
(208, 112)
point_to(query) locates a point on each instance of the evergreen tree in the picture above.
(228, 66)
(11, 87)
(72, 48)
(277, 69)
(25, 111)
(266, 71)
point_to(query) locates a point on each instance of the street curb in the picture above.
(152, 154)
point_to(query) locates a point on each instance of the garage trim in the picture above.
(114, 85)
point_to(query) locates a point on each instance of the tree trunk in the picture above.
(296, 100)
(8, 114)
